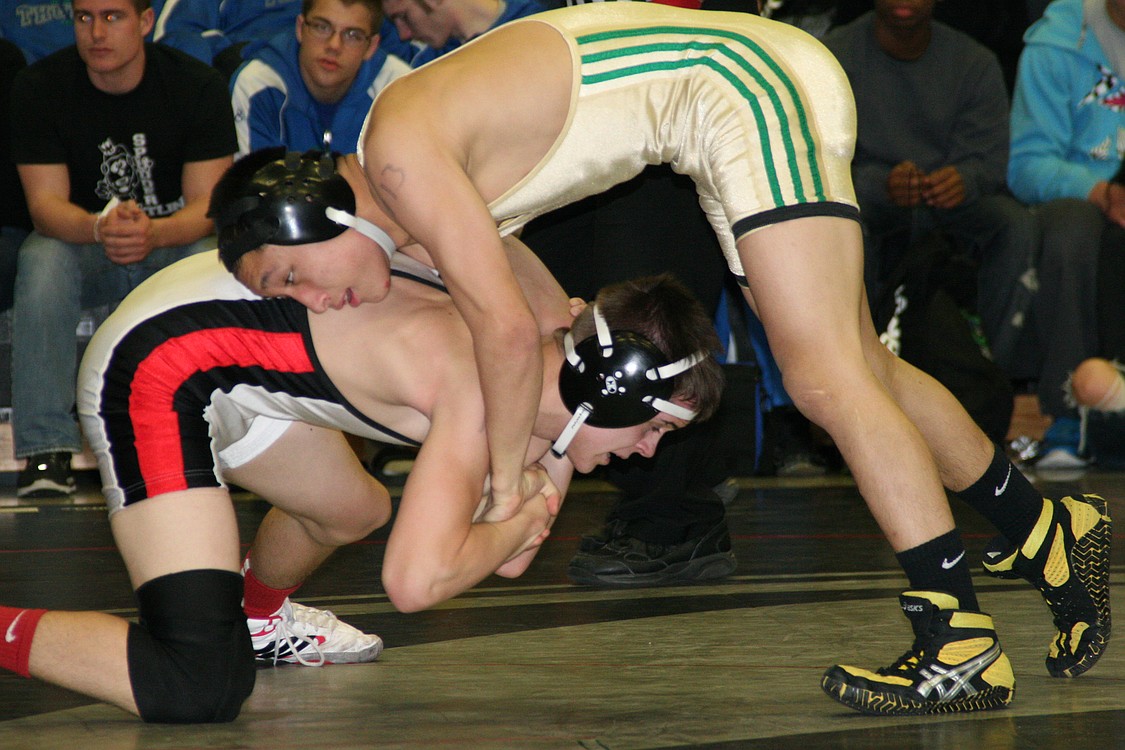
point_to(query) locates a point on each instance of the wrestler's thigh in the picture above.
(185, 530)
(313, 472)
(806, 285)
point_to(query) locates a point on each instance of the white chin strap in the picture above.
(364, 227)
(580, 414)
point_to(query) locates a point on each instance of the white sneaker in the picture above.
(296, 634)
(1061, 459)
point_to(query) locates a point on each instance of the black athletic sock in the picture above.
(1005, 497)
(939, 565)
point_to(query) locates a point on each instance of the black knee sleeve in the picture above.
(190, 659)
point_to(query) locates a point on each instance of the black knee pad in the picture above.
(190, 658)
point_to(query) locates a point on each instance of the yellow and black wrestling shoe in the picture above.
(1066, 557)
(955, 664)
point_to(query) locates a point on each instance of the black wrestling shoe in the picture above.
(954, 665)
(622, 560)
(1066, 557)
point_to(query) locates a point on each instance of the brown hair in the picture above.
(374, 6)
(661, 309)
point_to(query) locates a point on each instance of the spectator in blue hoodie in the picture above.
(442, 26)
(1067, 144)
(313, 88)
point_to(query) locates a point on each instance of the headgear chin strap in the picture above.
(296, 200)
(363, 226)
(617, 379)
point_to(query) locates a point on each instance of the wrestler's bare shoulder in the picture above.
(499, 100)
(384, 356)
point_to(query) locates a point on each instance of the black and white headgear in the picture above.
(617, 379)
(295, 200)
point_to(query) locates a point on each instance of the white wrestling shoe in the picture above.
(296, 634)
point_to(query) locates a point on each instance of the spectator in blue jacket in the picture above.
(206, 29)
(313, 88)
(442, 26)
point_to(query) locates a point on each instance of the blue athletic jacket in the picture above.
(273, 107)
(1068, 110)
(204, 28)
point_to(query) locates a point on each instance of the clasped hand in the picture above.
(535, 484)
(908, 186)
(126, 233)
(538, 503)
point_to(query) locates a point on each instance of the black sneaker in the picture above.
(1066, 557)
(46, 475)
(955, 664)
(623, 560)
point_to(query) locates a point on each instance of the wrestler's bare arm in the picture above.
(426, 190)
(561, 470)
(438, 147)
(435, 550)
(549, 302)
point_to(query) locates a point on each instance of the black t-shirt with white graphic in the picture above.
(129, 146)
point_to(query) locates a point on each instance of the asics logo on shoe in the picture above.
(947, 564)
(1000, 490)
(10, 635)
(911, 607)
(993, 554)
(950, 682)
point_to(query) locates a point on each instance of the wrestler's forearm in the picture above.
(548, 301)
(511, 372)
(420, 573)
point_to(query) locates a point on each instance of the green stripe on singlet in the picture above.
(738, 85)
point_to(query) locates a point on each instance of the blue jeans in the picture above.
(55, 281)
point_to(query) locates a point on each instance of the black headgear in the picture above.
(617, 379)
(297, 200)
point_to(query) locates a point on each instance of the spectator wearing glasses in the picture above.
(312, 86)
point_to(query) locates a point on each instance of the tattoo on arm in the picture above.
(391, 178)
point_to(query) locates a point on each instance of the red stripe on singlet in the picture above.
(160, 375)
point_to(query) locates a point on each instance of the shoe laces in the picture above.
(908, 662)
(299, 630)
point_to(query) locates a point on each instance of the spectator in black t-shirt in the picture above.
(118, 144)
